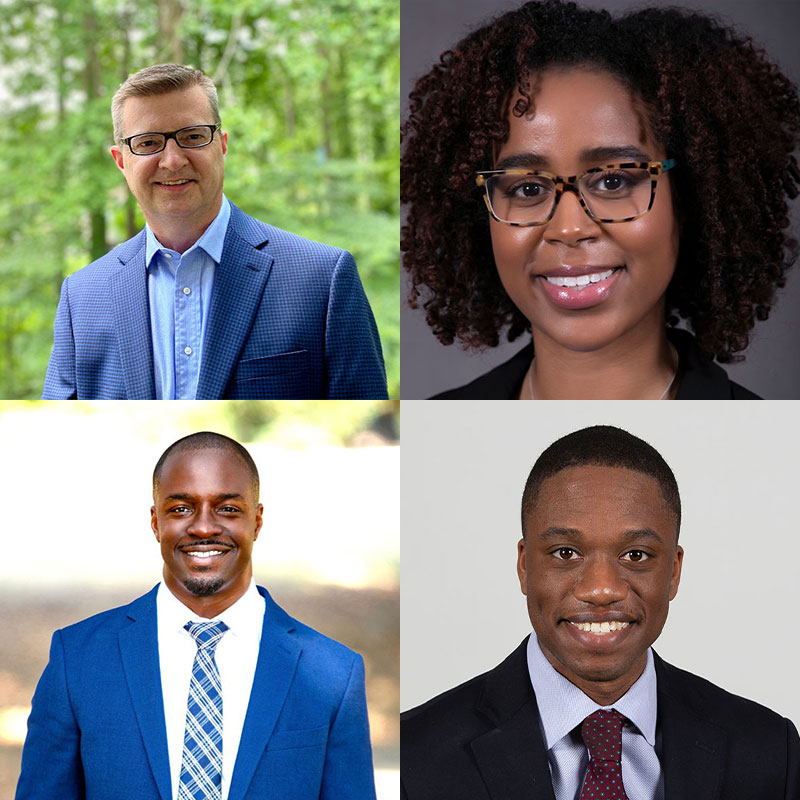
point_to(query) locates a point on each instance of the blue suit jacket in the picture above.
(97, 727)
(288, 320)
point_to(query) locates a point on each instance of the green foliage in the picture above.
(309, 96)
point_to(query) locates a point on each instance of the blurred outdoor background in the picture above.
(309, 95)
(78, 483)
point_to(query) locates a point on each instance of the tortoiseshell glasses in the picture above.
(615, 193)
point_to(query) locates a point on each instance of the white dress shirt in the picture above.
(563, 707)
(236, 656)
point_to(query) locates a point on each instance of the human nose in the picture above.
(570, 223)
(600, 583)
(172, 156)
(204, 523)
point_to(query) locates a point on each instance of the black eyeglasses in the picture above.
(146, 144)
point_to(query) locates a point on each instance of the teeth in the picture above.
(581, 280)
(173, 183)
(203, 553)
(600, 627)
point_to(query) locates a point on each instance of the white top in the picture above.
(563, 707)
(236, 656)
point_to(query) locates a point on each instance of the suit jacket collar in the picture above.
(277, 660)
(692, 750)
(138, 643)
(239, 283)
(132, 319)
(512, 757)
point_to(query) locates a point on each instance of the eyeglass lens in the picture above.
(609, 194)
(147, 143)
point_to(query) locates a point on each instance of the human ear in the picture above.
(154, 523)
(522, 566)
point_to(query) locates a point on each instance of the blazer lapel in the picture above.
(139, 647)
(132, 321)
(692, 748)
(277, 661)
(511, 757)
(239, 283)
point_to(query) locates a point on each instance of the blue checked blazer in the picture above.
(97, 729)
(288, 320)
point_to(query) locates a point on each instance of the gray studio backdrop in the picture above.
(429, 27)
(733, 621)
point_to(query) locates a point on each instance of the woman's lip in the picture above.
(575, 270)
(575, 298)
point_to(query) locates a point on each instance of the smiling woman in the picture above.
(584, 177)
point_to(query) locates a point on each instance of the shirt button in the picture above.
(187, 350)
(167, 255)
(187, 290)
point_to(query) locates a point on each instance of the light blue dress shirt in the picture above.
(179, 287)
(563, 707)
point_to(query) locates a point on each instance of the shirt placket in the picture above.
(187, 325)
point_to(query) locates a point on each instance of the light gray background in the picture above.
(428, 27)
(734, 620)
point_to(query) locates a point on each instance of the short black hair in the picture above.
(601, 446)
(207, 440)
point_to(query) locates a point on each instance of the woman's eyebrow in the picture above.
(529, 160)
(610, 154)
(594, 155)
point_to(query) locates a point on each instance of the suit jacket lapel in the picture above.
(693, 749)
(139, 648)
(277, 661)
(239, 283)
(511, 757)
(132, 321)
(512, 760)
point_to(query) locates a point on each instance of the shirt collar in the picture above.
(244, 618)
(563, 706)
(211, 241)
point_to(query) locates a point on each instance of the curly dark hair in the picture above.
(714, 100)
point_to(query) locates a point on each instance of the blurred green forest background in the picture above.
(308, 93)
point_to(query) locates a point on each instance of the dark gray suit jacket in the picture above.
(482, 741)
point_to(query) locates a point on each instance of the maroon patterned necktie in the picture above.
(602, 732)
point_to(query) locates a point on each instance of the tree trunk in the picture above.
(170, 44)
(93, 90)
(130, 202)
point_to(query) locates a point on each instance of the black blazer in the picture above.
(482, 741)
(699, 380)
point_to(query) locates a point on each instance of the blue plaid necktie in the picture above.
(201, 765)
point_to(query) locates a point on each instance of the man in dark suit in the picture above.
(205, 302)
(110, 716)
(584, 708)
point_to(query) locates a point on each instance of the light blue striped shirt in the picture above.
(563, 707)
(179, 288)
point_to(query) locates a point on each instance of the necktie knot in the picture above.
(206, 634)
(602, 732)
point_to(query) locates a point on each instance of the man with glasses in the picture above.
(205, 302)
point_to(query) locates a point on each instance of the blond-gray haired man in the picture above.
(205, 302)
